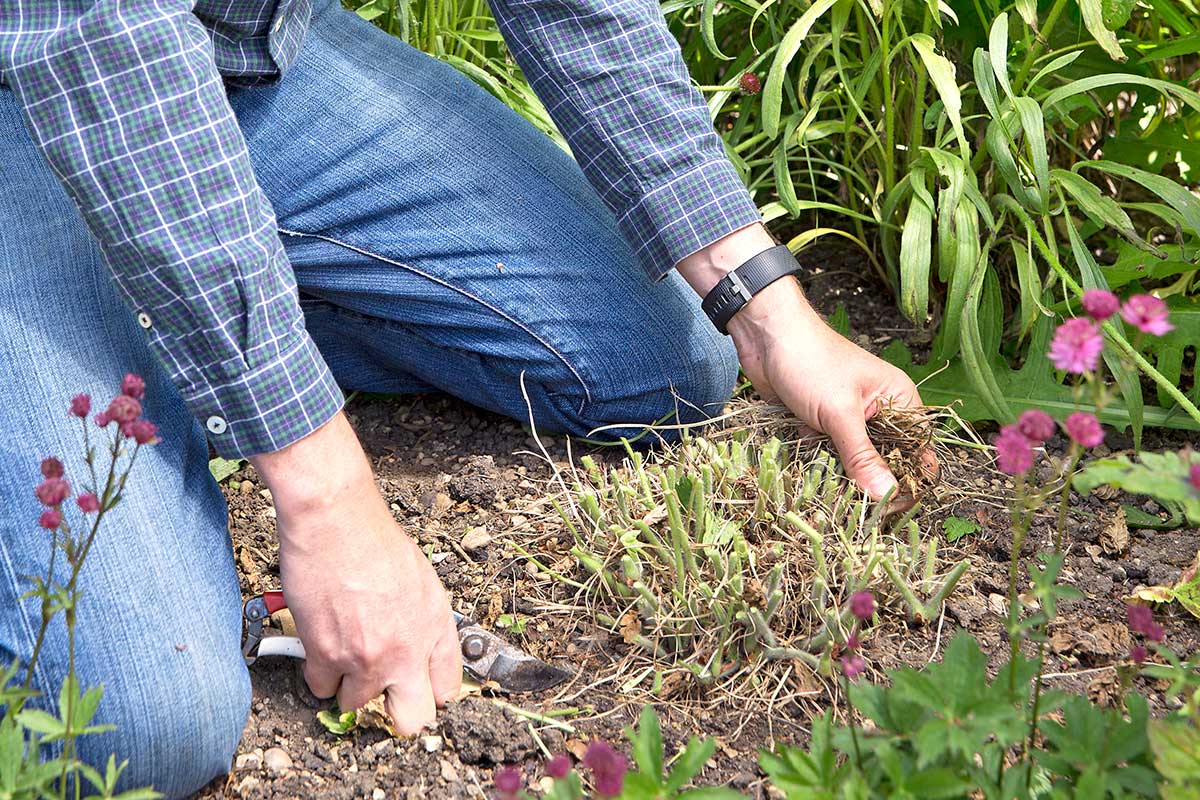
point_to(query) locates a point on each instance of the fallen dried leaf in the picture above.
(1115, 536)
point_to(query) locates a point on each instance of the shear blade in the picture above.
(487, 657)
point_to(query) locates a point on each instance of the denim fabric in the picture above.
(439, 243)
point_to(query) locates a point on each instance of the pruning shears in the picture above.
(485, 656)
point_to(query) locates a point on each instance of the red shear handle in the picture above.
(274, 601)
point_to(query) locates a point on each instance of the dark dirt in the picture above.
(456, 476)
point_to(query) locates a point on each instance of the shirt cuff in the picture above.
(271, 406)
(686, 214)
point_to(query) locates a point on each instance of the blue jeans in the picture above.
(440, 243)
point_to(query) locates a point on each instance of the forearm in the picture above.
(126, 103)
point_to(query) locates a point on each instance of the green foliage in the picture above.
(945, 731)
(959, 141)
(338, 722)
(1163, 476)
(958, 527)
(649, 782)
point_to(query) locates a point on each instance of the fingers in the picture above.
(445, 666)
(357, 690)
(322, 678)
(861, 460)
(410, 702)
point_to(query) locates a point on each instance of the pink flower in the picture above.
(1194, 477)
(558, 766)
(853, 666)
(1014, 453)
(853, 642)
(1100, 304)
(608, 768)
(52, 491)
(123, 408)
(142, 431)
(102, 419)
(50, 519)
(1084, 429)
(1035, 425)
(52, 468)
(1141, 620)
(133, 386)
(508, 782)
(1138, 654)
(1147, 313)
(81, 405)
(1076, 346)
(1138, 617)
(88, 503)
(862, 605)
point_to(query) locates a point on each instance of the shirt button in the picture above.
(216, 425)
(144, 320)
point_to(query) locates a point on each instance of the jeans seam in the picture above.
(587, 394)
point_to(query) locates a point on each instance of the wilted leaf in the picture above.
(339, 723)
(222, 468)
(1115, 536)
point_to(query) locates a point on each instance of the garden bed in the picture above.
(448, 469)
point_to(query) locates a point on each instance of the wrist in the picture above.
(779, 312)
(315, 474)
(707, 266)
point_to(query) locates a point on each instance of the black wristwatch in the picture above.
(738, 287)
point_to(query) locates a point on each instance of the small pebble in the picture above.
(277, 760)
(378, 794)
(248, 761)
(431, 743)
(249, 786)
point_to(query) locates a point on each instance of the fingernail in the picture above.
(880, 485)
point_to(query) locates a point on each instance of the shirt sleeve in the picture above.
(124, 100)
(614, 81)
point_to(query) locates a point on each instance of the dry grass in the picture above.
(726, 561)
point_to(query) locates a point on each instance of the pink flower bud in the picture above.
(1100, 304)
(853, 642)
(1014, 453)
(558, 766)
(102, 419)
(608, 768)
(50, 519)
(52, 468)
(88, 503)
(1138, 654)
(1194, 477)
(81, 405)
(508, 781)
(1036, 425)
(1076, 346)
(853, 666)
(123, 408)
(750, 83)
(1141, 620)
(52, 491)
(862, 605)
(142, 431)
(133, 386)
(1148, 314)
(1084, 429)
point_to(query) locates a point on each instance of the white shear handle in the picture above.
(289, 646)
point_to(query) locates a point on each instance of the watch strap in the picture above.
(738, 287)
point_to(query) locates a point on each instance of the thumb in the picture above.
(860, 459)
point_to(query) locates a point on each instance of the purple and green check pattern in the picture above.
(126, 99)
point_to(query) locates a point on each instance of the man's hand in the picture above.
(368, 606)
(790, 353)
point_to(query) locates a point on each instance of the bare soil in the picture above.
(448, 469)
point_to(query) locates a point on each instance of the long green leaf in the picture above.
(1093, 20)
(1168, 190)
(772, 103)
(941, 73)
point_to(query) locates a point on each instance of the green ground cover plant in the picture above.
(991, 160)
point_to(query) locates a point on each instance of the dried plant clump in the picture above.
(730, 560)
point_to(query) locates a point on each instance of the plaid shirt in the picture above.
(126, 99)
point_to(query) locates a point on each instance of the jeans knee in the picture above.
(178, 725)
